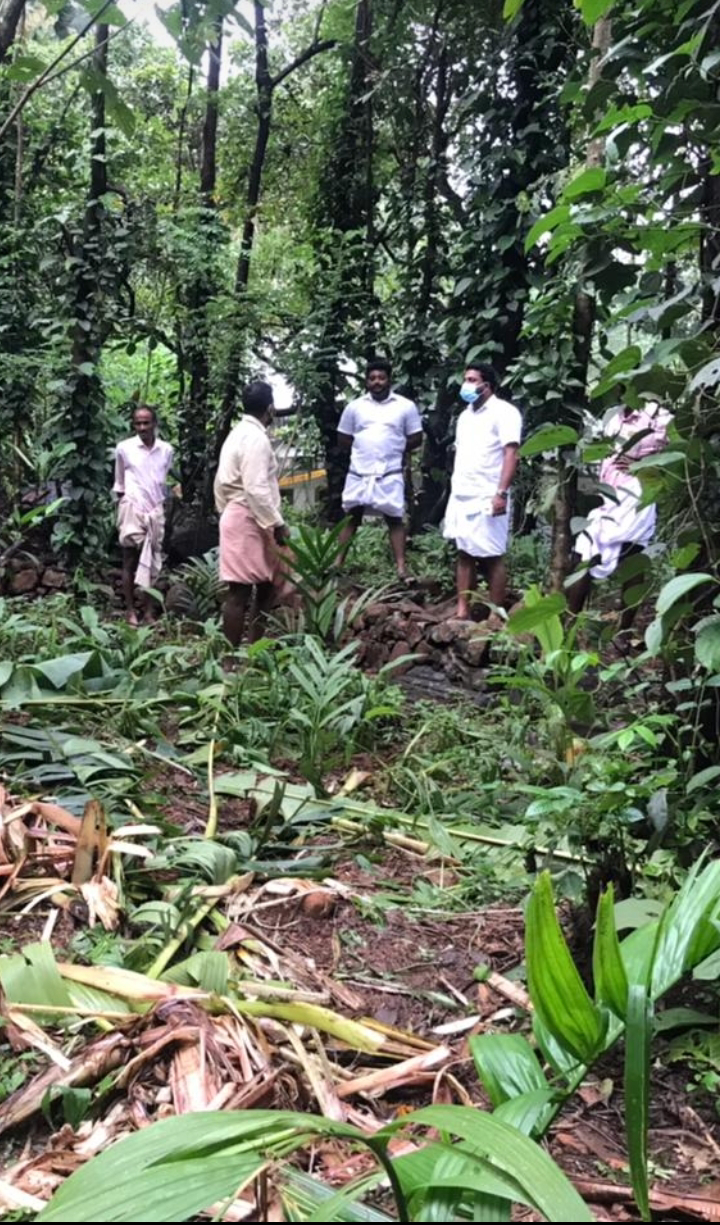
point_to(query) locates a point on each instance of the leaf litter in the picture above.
(296, 992)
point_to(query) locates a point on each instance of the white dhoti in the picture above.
(611, 526)
(143, 530)
(379, 493)
(474, 530)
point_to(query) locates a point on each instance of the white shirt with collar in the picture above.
(379, 430)
(141, 472)
(483, 432)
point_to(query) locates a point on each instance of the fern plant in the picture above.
(201, 576)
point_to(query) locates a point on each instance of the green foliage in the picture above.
(185, 1164)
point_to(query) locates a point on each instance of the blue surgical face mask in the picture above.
(469, 392)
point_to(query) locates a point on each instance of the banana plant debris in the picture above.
(260, 990)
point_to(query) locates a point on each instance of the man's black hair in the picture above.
(145, 408)
(489, 373)
(378, 363)
(257, 398)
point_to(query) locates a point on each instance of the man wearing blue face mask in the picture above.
(486, 458)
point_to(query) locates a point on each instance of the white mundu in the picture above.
(483, 432)
(380, 431)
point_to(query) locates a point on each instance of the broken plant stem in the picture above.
(422, 848)
(212, 821)
(162, 961)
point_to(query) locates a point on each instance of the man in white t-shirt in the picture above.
(486, 457)
(381, 427)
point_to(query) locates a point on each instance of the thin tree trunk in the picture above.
(583, 326)
(195, 416)
(182, 127)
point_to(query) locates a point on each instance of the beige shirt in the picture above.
(247, 473)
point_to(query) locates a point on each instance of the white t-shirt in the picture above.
(482, 433)
(379, 431)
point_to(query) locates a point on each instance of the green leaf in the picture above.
(511, 8)
(24, 68)
(702, 778)
(623, 114)
(511, 1154)
(506, 1065)
(532, 616)
(530, 1113)
(679, 587)
(593, 10)
(547, 222)
(547, 438)
(687, 935)
(6, 671)
(59, 671)
(611, 984)
(707, 643)
(654, 636)
(589, 180)
(638, 1033)
(556, 988)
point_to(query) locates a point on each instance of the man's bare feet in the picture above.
(462, 612)
(132, 619)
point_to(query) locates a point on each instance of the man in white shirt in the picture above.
(379, 428)
(142, 464)
(252, 529)
(620, 526)
(486, 457)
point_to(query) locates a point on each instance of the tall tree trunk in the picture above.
(349, 202)
(583, 326)
(265, 86)
(195, 417)
(11, 12)
(86, 402)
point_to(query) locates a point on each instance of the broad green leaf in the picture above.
(589, 180)
(530, 1113)
(175, 1169)
(547, 438)
(611, 984)
(638, 1033)
(679, 587)
(511, 1154)
(6, 671)
(531, 616)
(556, 989)
(416, 1171)
(59, 671)
(511, 8)
(593, 10)
(654, 635)
(702, 778)
(687, 935)
(544, 224)
(506, 1065)
(707, 643)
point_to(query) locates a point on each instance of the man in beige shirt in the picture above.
(252, 530)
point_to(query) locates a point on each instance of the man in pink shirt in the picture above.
(621, 525)
(142, 464)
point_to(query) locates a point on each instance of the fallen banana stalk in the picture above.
(410, 1071)
(423, 848)
(104, 1055)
